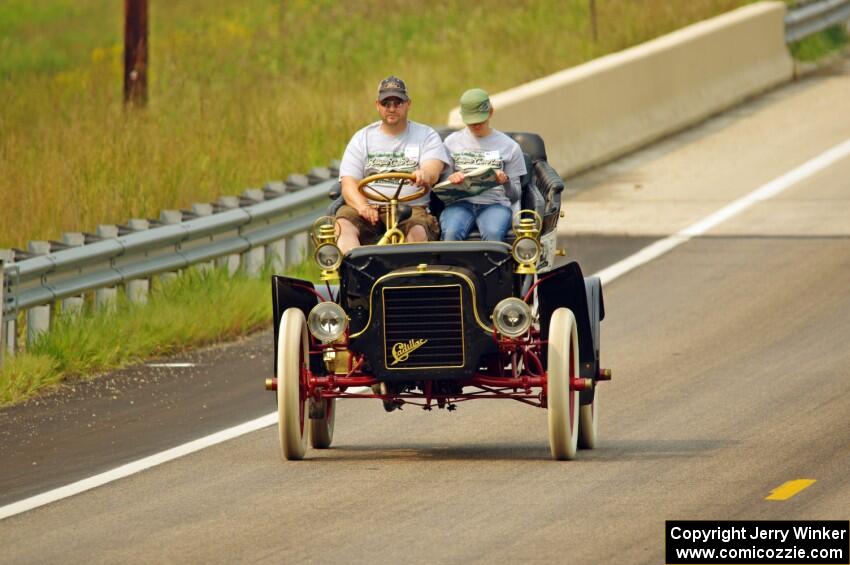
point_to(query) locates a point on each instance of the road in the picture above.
(731, 376)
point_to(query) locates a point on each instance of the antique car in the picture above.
(440, 323)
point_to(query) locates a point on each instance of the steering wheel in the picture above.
(363, 186)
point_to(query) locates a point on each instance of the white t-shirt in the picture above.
(371, 151)
(496, 150)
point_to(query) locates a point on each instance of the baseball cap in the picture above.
(474, 106)
(392, 87)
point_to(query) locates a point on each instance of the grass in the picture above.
(178, 316)
(245, 92)
(239, 93)
(821, 44)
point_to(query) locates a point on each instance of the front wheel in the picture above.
(293, 356)
(561, 370)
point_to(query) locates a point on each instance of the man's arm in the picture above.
(428, 172)
(351, 170)
(356, 200)
(434, 158)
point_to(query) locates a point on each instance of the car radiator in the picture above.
(423, 327)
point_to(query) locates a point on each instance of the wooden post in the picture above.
(593, 20)
(136, 52)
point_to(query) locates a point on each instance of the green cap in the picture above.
(474, 106)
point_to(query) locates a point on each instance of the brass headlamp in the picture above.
(328, 256)
(526, 248)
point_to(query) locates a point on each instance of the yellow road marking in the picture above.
(789, 489)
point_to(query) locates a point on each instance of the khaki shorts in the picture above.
(370, 234)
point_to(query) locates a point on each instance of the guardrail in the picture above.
(237, 232)
(268, 224)
(814, 17)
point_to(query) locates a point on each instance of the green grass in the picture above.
(250, 91)
(239, 93)
(198, 308)
(821, 44)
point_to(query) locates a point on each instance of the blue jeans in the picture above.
(457, 221)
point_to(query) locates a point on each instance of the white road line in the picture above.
(645, 255)
(144, 463)
(136, 466)
(171, 365)
(769, 190)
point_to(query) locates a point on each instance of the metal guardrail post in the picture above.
(38, 317)
(106, 296)
(200, 210)
(254, 258)
(230, 262)
(296, 246)
(276, 252)
(137, 290)
(170, 218)
(8, 328)
(319, 174)
(73, 304)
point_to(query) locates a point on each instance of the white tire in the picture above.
(293, 356)
(322, 429)
(561, 368)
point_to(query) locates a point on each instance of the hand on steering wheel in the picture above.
(362, 187)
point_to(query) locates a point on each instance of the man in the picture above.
(392, 144)
(475, 146)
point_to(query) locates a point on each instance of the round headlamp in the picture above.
(526, 250)
(328, 256)
(512, 317)
(327, 321)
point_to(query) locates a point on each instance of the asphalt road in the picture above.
(731, 376)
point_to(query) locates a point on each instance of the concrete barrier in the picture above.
(607, 107)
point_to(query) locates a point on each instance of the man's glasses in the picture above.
(392, 102)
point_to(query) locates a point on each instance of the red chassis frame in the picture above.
(511, 383)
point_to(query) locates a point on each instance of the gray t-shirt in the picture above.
(371, 151)
(496, 150)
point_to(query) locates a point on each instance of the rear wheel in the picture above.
(292, 361)
(561, 369)
(322, 429)
(588, 416)
(588, 422)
